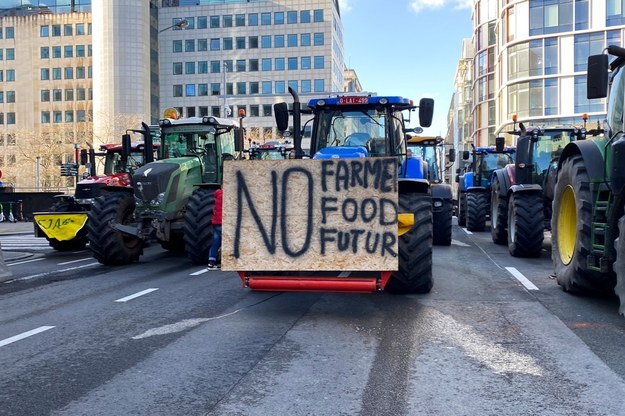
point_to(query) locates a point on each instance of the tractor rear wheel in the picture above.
(498, 214)
(198, 227)
(108, 245)
(462, 209)
(80, 240)
(619, 264)
(477, 207)
(415, 247)
(525, 224)
(442, 221)
(571, 239)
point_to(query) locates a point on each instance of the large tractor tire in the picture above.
(619, 265)
(442, 222)
(571, 231)
(462, 209)
(525, 224)
(415, 248)
(80, 240)
(498, 214)
(198, 227)
(108, 245)
(477, 208)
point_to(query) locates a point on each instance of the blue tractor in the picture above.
(474, 184)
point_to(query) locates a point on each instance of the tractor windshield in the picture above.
(351, 127)
(491, 161)
(432, 155)
(549, 146)
(113, 162)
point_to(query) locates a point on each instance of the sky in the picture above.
(408, 48)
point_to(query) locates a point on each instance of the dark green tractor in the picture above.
(172, 199)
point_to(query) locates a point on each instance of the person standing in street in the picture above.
(213, 252)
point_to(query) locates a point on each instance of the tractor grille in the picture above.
(88, 191)
(154, 179)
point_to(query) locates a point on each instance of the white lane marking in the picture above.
(180, 326)
(467, 231)
(74, 261)
(136, 295)
(459, 243)
(23, 262)
(204, 270)
(23, 335)
(55, 271)
(519, 276)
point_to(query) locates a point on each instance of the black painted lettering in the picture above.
(372, 246)
(355, 235)
(243, 192)
(343, 240)
(368, 202)
(349, 209)
(388, 243)
(388, 181)
(327, 170)
(326, 235)
(391, 206)
(283, 214)
(328, 204)
(373, 168)
(342, 176)
(357, 178)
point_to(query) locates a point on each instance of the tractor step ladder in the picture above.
(601, 233)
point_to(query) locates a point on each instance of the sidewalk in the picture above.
(14, 228)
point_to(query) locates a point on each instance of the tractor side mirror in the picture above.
(597, 76)
(499, 144)
(239, 139)
(465, 155)
(281, 112)
(83, 157)
(452, 155)
(426, 111)
(126, 146)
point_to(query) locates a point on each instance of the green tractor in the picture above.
(432, 151)
(588, 220)
(172, 199)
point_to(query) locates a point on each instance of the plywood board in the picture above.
(310, 215)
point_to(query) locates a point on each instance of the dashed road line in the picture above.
(23, 335)
(136, 295)
(521, 278)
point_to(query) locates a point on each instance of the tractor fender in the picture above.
(592, 156)
(476, 189)
(126, 189)
(526, 188)
(441, 191)
(504, 180)
(413, 185)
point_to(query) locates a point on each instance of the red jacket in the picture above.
(218, 207)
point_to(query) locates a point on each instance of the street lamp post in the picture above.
(226, 108)
(181, 25)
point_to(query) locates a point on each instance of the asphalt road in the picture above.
(164, 337)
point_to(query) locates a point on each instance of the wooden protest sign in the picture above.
(310, 215)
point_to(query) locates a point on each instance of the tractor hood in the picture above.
(166, 180)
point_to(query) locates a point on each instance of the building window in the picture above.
(585, 45)
(252, 42)
(69, 116)
(265, 19)
(202, 90)
(291, 17)
(551, 97)
(227, 19)
(57, 95)
(550, 17)
(202, 22)
(81, 116)
(254, 110)
(45, 95)
(239, 20)
(56, 30)
(11, 120)
(44, 31)
(228, 65)
(202, 67)
(319, 62)
(214, 22)
(292, 62)
(318, 39)
(215, 88)
(202, 45)
(266, 85)
(227, 42)
(293, 84)
(241, 88)
(291, 40)
(240, 65)
(318, 15)
(69, 95)
(189, 68)
(278, 41)
(68, 30)
(280, 87)
(57, 116)
(57, 73)
(254, 87)
(240, 40)
(266, 64)
(190, 111)
(306, 85)
(215, 45)
(178, 90)
(253, 65)
(45, 74)
(44, 52)
(68, 51)
(216, 111)
(279, 64)
(45, 117)
(582, 103)
(265, 41)
(252, 19)
(305, 39)
(615, 13)
(319, 85)
(305, 62)
(56, 52)
(177, 68)
(215, 67)
(203, 111)
(80, 94)
(69, 72)
(278, 18)
(10, 96)
(80, 51)
(189, 45)
(304, 16)
(267, 111)
(10, 54)
(80, 29)
(551, 56)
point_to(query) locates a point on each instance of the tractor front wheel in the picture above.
(442, 224)
(477, 207)
(198, 227)
(109, 246)
(619, 265)
(571, 238)
(462, 209)
(498, 214)
(525, 225)
(415, 248)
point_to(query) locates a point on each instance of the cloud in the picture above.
(419, 5)
(345, 5)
